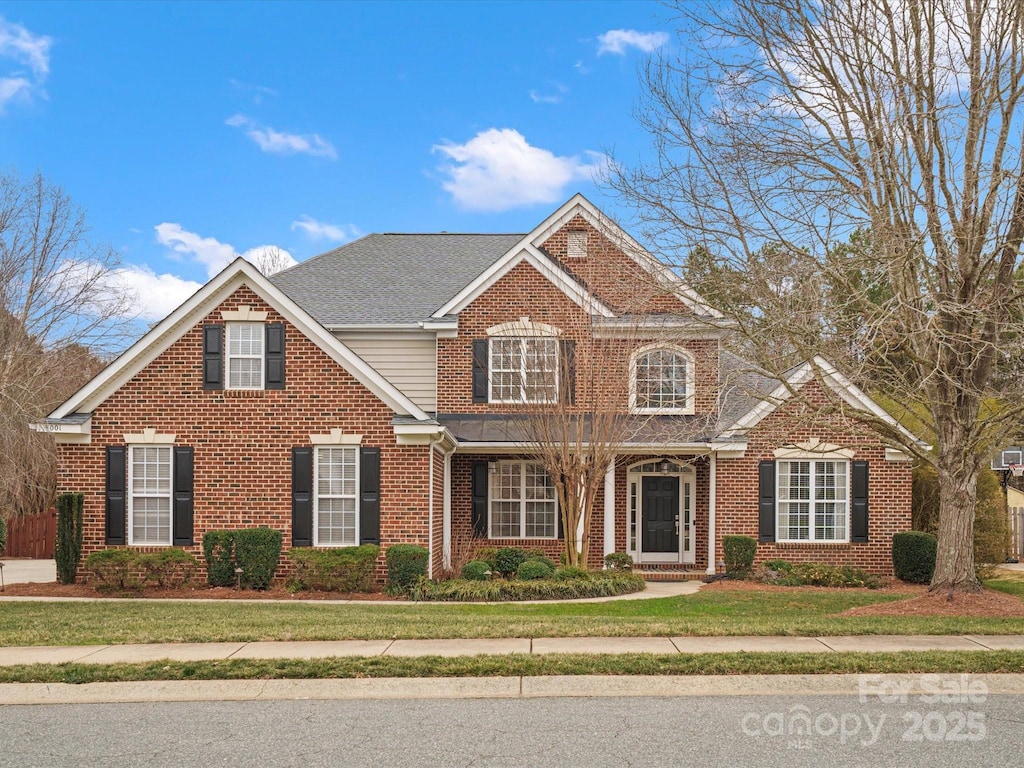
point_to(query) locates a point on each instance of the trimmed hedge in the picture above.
(602, 584)
(572, 573)
(406, 564)
(739, 555)
(913, 556)
(219, 553)
(128, 570)
(257, 552)
(67, 549)
(338, 569)
(169, 569)
(787, 574)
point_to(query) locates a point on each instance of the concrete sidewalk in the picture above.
(324, 649)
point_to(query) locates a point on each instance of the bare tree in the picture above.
(784, 127)
(61, 308)
(270, 259)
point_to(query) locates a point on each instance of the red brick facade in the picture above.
(242, 440)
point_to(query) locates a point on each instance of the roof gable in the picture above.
(219, 288)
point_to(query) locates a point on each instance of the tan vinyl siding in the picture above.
(407, 360)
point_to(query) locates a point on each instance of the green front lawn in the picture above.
(714, 612)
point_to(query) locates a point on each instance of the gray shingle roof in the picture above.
(390, 278)
(741, 386)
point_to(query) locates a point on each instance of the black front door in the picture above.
(660, 513)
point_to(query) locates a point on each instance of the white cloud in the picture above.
(549, 98)
(156, 296)
(616, 41)
(255, 91)
(498, 169)
(279, 143)
(24, 49)
(320, 230)
(215, 255)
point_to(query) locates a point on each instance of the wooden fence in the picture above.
(1016, 516)
(32, 536)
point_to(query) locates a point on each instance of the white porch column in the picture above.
(712, 482)
(609, 508)
(446, 512)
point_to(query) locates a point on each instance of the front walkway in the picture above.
(325, 649)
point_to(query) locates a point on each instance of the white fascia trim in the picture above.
(175, 325)
(543, 264)
(425, 434)
(57, 428)
(374, 327)
(850, 393)
(578, 204)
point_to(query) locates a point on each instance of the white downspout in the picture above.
(609, 508)
(430, 513)
(712, 482)
(446, 513)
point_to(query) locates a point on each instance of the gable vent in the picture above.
(576, 247)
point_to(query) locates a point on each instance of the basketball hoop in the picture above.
(1017, 470)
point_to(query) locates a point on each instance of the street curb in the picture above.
(21, 694)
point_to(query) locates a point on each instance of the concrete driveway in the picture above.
(26, 571)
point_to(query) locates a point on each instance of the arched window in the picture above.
(662, 380)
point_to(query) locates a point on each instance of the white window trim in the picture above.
(491, 398)
(316, 492)
(687, 409)
(812, 539)
(130, 495)
(228, 357)
(522, 506)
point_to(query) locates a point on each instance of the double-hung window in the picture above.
(813, 500)
(524, 503)
(662, 381)
(149, 495)
(336, 505)
(523, 369)
(245, 355)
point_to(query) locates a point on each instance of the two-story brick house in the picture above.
(384, 392)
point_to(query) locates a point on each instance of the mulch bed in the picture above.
(195, 592)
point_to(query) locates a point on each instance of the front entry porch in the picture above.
(661, 503)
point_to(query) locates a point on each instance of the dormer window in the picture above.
(576, 246)
(662, 380)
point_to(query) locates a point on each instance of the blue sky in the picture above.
(194, 132)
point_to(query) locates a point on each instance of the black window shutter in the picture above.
(369, 495)
(274, 356)
(302, 497)
(766, 501)
(859, 501)
(181, 521)
(568, 364)
(117, 510)
(213, 356)
(480, 365)
(480, 479)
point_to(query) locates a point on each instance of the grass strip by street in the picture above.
(791, 612)
(518, 664)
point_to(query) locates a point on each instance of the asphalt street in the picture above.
(887, 729)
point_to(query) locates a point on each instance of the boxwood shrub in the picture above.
(115, 569)
(337, 569)
(618, 561)
(534, 569)
(508, 559)
(913, 556)
(476, 570)
(406, 564)
(602, 584)
(169, 569)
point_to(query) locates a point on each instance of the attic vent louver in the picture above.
(576, 246)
